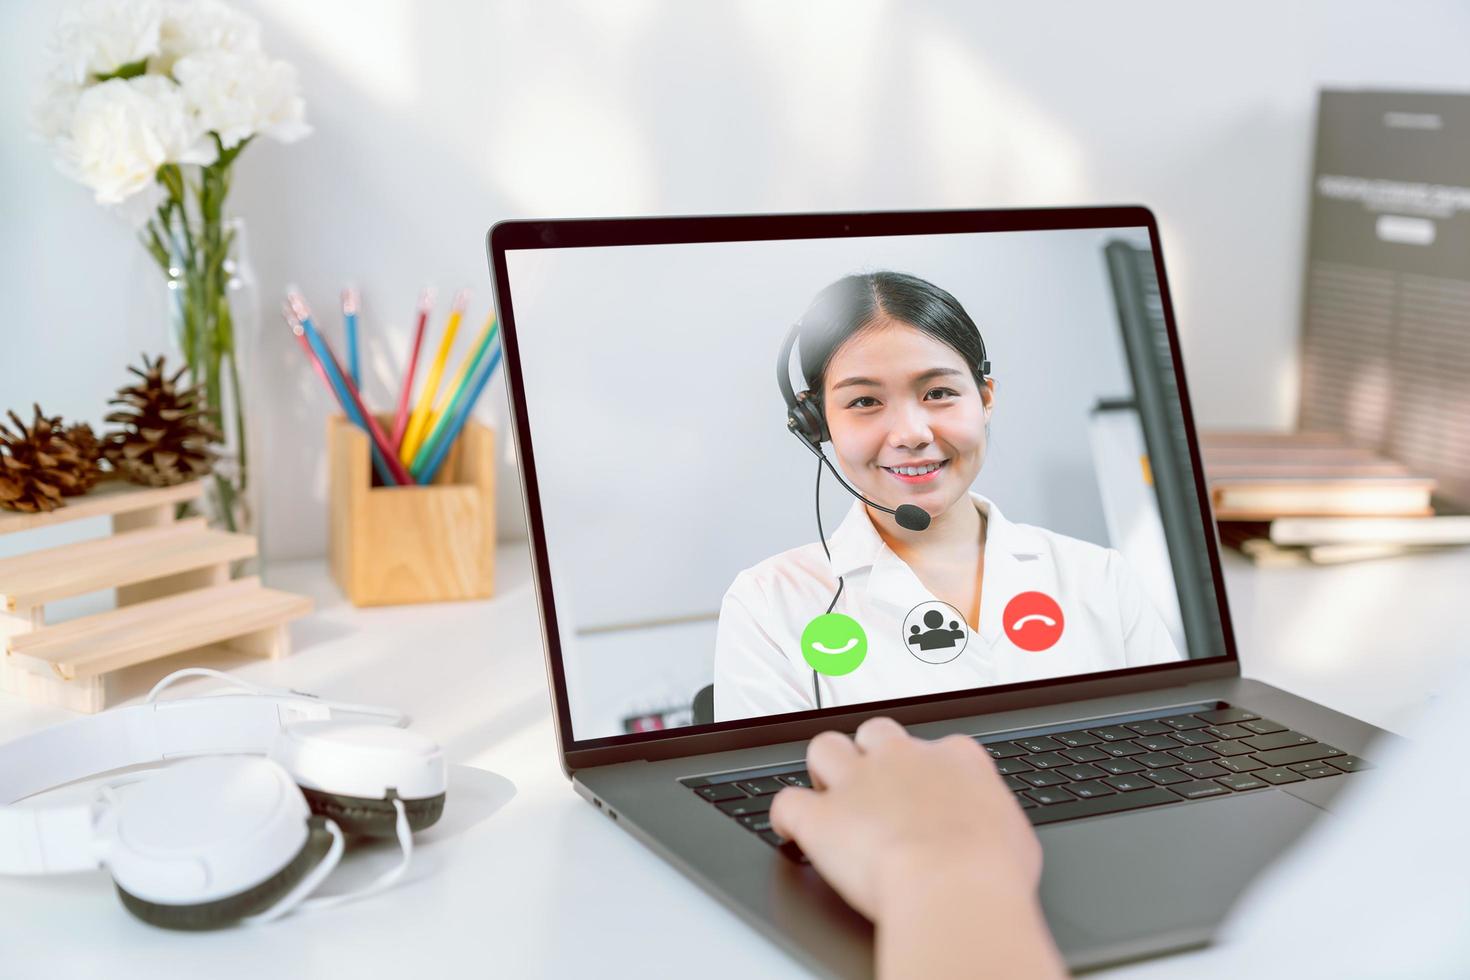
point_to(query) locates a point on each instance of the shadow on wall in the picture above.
(432, 122)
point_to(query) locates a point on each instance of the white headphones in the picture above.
(231, 838)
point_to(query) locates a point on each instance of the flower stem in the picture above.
(193, 250)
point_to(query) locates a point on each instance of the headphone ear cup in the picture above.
(352, 773)
(368, 817)
(225, 912)
(210, 841)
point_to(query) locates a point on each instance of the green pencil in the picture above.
(446, 416)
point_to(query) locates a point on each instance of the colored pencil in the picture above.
(379, 438)
(300, 336)
(379, 464)
(418, 422)
(431, 470)
(453, 396)
(467, 366)
(400, 419)
(390, 471)
(349, 316)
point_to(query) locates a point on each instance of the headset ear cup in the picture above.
(366, 817)
(810, 423)
(822, 433)
(353, 773)
(228, 911)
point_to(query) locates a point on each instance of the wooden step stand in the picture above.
(176, 603)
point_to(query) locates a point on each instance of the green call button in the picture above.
(834, 644)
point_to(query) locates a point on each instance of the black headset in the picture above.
(806, 419)
(804, 415)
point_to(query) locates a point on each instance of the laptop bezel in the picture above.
(725, 736)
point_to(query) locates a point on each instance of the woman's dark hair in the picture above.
(853, 303)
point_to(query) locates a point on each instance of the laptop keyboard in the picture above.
(1064, 772)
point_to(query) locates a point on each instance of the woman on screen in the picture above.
(897, 381)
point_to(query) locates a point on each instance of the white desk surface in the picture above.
(522, 878)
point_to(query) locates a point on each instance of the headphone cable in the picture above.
(822, 537)
(395, 717)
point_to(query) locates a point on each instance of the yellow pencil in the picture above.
(464, 367)
(418, 423)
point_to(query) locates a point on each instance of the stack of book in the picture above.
(1312, 498)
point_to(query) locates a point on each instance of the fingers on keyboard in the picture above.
(1101, 769)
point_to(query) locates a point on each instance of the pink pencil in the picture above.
(400, 420)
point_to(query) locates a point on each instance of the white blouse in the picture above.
(1106, 622)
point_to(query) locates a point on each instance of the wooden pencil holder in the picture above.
(433, 543)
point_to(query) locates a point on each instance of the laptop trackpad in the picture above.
(1148, 880)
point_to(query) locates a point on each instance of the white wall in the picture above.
(434, 120)
(663, 459)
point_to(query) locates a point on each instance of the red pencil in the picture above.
(400, 420)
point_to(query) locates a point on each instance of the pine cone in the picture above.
(36, 466)
(88, 457)
(165, 432)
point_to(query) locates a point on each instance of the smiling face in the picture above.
(907, 417)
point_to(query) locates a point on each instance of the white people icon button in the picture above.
(935, 632)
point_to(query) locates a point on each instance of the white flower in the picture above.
(239, 94)
(51, 114)
(179, 132)
(122, 131)
(196, 26)
(100, 36)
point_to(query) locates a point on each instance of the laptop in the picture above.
(739, 438)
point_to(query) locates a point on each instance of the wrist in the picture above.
(943, 913)
(915, 877)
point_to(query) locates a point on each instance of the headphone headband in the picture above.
(61, 838)
(142, 733)
(783, 366)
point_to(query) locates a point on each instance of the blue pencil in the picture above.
(431, 468)
(339, 387)
(349, 313)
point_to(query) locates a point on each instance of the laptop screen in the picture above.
(781, 476)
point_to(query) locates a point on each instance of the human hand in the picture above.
(925, 839)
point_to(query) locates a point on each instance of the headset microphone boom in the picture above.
(804, 419)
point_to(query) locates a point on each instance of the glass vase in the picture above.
(214, 316)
